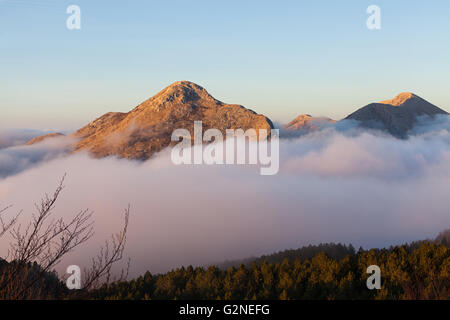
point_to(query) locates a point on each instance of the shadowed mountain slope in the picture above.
(397, 116)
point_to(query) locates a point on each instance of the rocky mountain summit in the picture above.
(397, 116)
(307, 123)
(148, 127)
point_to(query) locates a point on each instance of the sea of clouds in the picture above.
(13, 137)
(335, 185)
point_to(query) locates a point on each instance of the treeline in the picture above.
(417, 271)
(332, 250)
(420, 270)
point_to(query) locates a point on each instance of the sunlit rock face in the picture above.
(148, 128)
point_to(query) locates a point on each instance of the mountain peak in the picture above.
(185, 83)
(184, 88)
(397, 121)
(308, 123)
(299, 121)
(148, 128)
(400, 99)
(303, 116)
(178, 93)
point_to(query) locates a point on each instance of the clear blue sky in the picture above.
(280, 58)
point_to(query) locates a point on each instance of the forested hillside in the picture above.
(418, 271)
(332, 250)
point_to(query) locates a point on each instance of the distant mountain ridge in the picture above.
(397, 116)
(148, 127)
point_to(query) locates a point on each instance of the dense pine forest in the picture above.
(416, 271)
(419, 270)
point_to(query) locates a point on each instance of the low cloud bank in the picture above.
(14, 137)
(365, 189)
(19, 158)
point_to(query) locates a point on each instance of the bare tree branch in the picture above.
(6, 226)
(110, 253)
(39, 246)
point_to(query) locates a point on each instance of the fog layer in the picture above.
(366, 189)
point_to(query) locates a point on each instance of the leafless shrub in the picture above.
(110, 253)
(39, 246)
